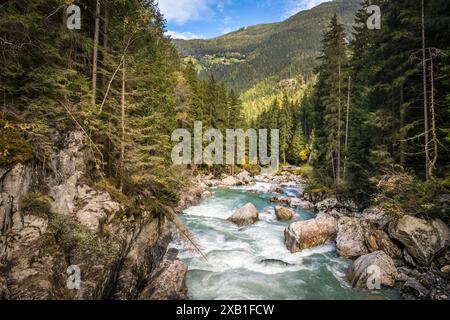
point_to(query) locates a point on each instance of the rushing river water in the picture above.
(252, 263)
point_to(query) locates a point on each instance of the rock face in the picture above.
(189, 198)
(312, 233)
(14, 184)
(358, 274)
(169, 281)
(117, 255)
(423, 240)
(246, 215)
(284, 214)
(350, 241)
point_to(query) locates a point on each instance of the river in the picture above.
(252, 263)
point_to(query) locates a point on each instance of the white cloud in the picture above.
(294, 6)
(182, 11)
(183, 35)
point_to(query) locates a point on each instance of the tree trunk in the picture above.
(402, 124)
(433, 122)
(105, 40)
(425, 97)
(122, 124)
(338, 173)
(347, 123)
(95, 57)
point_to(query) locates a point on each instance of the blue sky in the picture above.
(190, 19)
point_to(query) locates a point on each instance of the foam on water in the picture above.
(253, 262)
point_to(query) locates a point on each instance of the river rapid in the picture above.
(253, 263)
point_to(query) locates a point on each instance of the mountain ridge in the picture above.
(276, 51)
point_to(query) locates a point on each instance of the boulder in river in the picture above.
(360, 274)
(231, 182)
(246, 215)
(245, 177)
(283, 213)
(312, 233)
(423, 239)
(350, 241)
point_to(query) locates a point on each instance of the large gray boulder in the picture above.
(423, 239)
(350, 241)
(358, 274)
(246, 215)
(312, 233)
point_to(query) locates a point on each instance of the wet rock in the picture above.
(423, 240)
(358, 274)
(379, 240)
(413, 290)
(246, 215)
(350, 241)
(207, 194)
(189, 198)
(284, 214)
(312, 233)
(275, 262)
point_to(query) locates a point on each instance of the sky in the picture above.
(204, 19)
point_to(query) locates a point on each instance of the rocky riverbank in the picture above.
(410, 252)
(53, 218)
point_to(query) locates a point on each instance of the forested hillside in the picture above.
(380, 106)
(280, 50)
(259, 56)
(118, 79)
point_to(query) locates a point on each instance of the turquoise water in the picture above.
(252, 263)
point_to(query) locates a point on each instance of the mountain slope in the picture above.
(275, 51)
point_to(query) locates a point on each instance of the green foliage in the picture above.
(36, 204)
(13, 148)
(411, 196)
(115, 194)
